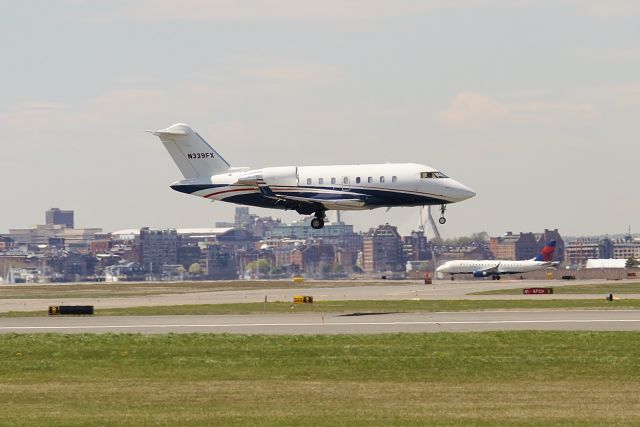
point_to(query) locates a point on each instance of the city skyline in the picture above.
(55, 221)
(260, 247)
(532, 104)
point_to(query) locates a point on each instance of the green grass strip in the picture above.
(599, 288)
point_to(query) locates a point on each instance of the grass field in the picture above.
(597, 288)
(127, 289)
(487, 379)
(365, 306)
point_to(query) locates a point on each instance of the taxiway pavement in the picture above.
(354, 323)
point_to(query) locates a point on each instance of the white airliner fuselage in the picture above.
(306, 189)
(483, 268)
(495, 268)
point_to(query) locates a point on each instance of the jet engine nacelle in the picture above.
(480, 273)
(281, 176)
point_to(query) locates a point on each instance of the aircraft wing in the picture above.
(325, 200)
(491, 270)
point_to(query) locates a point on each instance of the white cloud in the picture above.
(318, 75)
(239, 81)
(472, 110)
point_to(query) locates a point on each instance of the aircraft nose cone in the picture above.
(466, 192)
(460, 191)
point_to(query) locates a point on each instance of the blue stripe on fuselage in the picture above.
(373, 198)
(192, 188)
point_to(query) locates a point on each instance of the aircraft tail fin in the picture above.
(546, 253)
(191, 153)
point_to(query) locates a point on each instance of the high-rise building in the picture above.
(55, 216)
(382, 250)
(221, 263)
(242, 217)
(416, 247)
(158, 248)
(301, 229)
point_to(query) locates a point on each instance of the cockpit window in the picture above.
(432, 175)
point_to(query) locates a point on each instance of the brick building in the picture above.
(382, 250)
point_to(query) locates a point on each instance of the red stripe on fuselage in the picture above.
(228, 191)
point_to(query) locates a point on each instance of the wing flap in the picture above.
(327, 203)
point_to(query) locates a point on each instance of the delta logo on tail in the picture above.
(546, 253)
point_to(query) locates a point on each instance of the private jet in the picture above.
(306, 189)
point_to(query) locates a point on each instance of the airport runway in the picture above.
(441, 290)
(315, 323)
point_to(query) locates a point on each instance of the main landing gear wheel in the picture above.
(317, 223)
(442, 219)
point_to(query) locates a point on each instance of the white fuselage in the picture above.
(374, 185)
(491, 266)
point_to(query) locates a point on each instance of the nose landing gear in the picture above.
(442, 219)
(318, 222)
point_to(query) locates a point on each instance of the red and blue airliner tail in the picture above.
(546, 253)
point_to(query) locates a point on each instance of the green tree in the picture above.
(195, 269)
(481, 236)
(632, 262)
(337, 268)
(259, 266)
(278, 270)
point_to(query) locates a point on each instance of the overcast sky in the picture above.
(533, 104)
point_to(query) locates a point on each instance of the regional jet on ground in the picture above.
(306, 189)
(494, 268)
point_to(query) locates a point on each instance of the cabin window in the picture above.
(308, 181)
(357, 180)
(345, 179)
(320, 180)
(370, 179)
(382, 179)
(333, 180)
(394, 179)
